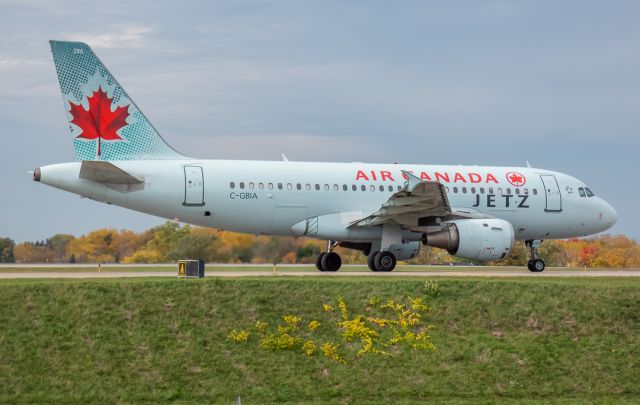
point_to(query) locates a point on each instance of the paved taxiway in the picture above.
(306, 273)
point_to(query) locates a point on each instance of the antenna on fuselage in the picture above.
(285, 158)
(528, 164)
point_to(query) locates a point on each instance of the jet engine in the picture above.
(476, 239)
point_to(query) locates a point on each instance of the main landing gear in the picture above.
(536, 264)
(330, 260)
(381, 261)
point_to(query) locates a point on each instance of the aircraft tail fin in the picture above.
(105, 122)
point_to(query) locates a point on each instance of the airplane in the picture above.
(386, 211)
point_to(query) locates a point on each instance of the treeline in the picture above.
(170, 242)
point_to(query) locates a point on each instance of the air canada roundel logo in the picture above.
(516, 179)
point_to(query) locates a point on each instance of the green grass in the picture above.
(163, 340)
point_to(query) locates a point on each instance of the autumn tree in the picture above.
(159, 241)
(200, 243)
(6, 250)
(59, 244)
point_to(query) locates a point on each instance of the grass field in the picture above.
(163, 339)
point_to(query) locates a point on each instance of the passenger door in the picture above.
(552, 192)
(193, 186)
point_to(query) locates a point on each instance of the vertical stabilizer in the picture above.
(105, 122)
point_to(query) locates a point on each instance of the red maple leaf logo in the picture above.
(516, 179)
(99, 122)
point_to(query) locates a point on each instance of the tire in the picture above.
(331, 261)
(538, 265)
(319, 261)
(384, 261)
(370, 260)
(530, 265)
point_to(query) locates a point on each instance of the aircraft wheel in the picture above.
(530, 265)
(331, 261)
(319, 260)
(538, 265)
(384, 261)
(370, 261)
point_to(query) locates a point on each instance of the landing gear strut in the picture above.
(329, 260)
(381, 261)
(536, 264)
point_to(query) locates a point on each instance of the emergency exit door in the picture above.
(552, 191)
(193, 186)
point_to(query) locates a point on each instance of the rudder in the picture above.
(104, 121)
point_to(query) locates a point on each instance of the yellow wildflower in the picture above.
(313, 325)
(261, 326)
(343, 308)
(238, 335)
(330, 350)
(309, 348)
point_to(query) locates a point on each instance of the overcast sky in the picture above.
(469, 82)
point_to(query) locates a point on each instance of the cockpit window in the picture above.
(589, 192)
(581, 192)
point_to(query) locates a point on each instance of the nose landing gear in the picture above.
(536, 264)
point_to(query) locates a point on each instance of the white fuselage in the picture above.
(265, 197)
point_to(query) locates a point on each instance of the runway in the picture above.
(307, 273)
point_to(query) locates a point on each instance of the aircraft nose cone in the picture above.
(608, 214)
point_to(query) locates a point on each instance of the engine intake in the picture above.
(475, 239)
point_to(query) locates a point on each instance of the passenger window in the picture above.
(299, 186)
(289, 186)
(455, 189)
(399, 188)
(447, 189)
(241, 184)
(308, 186)
(372, 187)
(317, 186)
(261, 186)
(232, 185)
(517, 191)
(581, 192)
(464, 190)
(535, 191)
(335, 187)
(381, 188)
(481, 190)
(589, 193)
(499, 190)
(279, 186)
(344, 187)
(270, 186)
(490, 190)
(251, 186)
(390, 188)
(526, 191)
(363, 187)
(354, 187)
(508, 190)
(473, 190)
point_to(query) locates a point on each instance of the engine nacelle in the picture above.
(476, 239)
(405, 251)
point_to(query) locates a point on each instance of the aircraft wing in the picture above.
(416, 201)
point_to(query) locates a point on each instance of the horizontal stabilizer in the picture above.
(107, 173)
